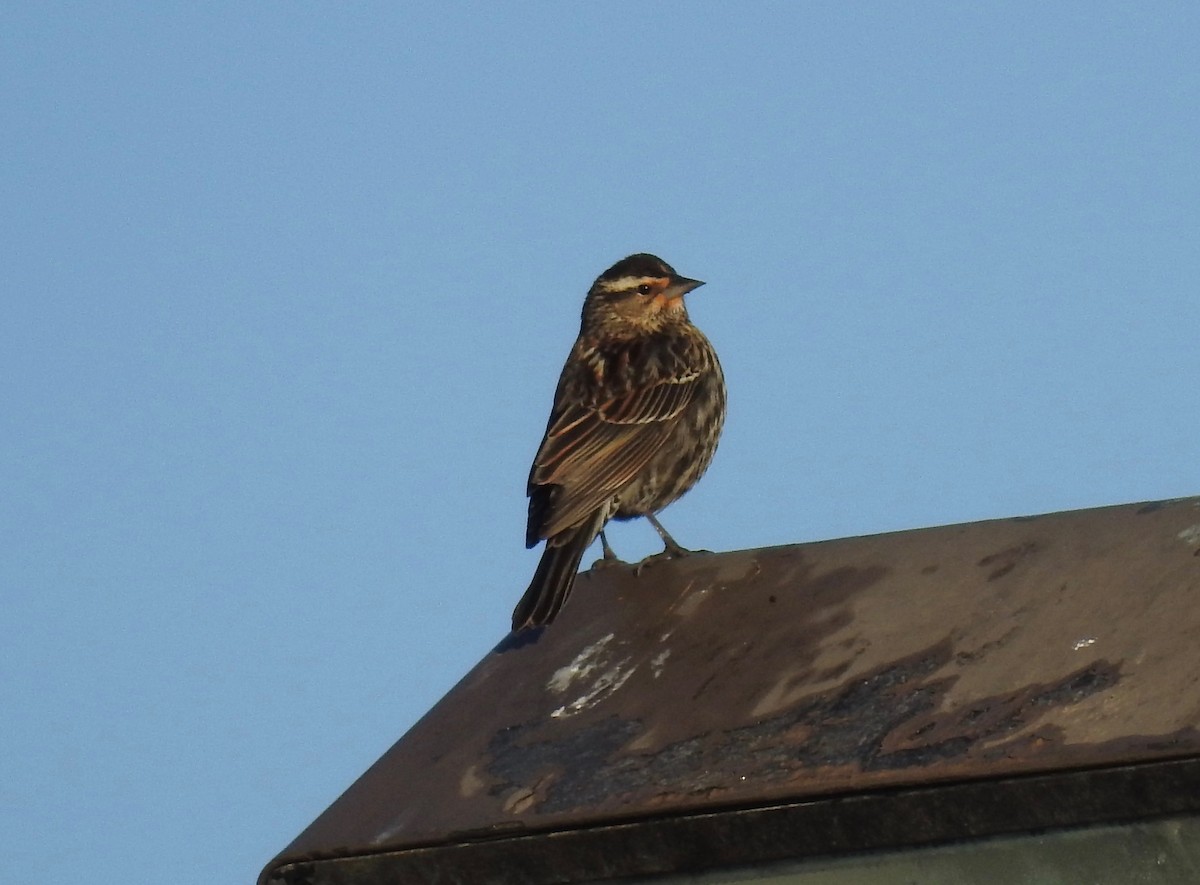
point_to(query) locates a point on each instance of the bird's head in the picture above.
(636, 295)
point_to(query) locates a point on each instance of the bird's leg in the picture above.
(671, 548)
(609, 558)
(609, 555)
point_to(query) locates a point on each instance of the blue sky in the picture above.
(288, 287)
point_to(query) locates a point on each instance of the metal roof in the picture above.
(744, 682)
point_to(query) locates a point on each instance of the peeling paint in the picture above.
(657, 662)
(891, 719)
(606, 683)
(691, 601)
(470, 783)
(581, 667)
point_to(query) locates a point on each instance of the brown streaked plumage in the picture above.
(637, 415)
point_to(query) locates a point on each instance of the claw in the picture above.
(672, 549)
(676, 553)
(609, 558)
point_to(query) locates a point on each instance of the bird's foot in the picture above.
(670, 551)
(606, 562)
(609, 559)
(673, 550)
(643, 563)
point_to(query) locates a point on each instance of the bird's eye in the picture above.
(645, 289)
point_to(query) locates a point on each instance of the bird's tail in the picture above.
(555, 575)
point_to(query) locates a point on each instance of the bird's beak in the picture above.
(680, 286)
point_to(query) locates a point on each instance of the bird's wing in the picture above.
(590, 452)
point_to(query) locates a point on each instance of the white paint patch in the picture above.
(399, 823)
(656, 662)
(1083, 643)
(606, 683)
(593, 660)
(1190, 535)
(587, 661)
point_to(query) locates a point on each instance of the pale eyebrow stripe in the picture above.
(631, 283)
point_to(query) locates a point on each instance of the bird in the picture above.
(636, 419)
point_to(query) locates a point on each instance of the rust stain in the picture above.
(989, 718)
(890, 719)
(1006, 560)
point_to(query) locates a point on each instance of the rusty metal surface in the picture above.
(949, 654)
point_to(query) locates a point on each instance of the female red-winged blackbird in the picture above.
(636, 419)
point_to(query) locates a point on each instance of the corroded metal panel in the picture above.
(966, 652)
